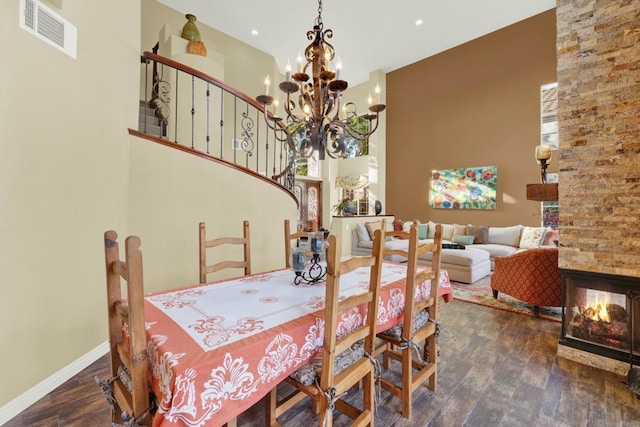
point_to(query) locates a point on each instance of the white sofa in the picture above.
(466, 265)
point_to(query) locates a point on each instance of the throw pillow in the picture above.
(460, 230)
(406, 228)
(509, 236)
(480, 234)
(432, 229)
(423, 231)
(447, 231)
(363, 233)
(397, 225)
(372, 227)
(532, 237)
(389, 225)
(462, 239)
(549, 236)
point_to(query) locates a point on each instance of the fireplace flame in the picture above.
(596, 309)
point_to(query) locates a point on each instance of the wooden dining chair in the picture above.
(289, 236)
(347, 359)
(398, 234)
(128, 389)
(419, 324)
(205, 244)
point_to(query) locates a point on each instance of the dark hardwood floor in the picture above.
(501, 370)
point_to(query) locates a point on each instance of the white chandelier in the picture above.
(315, 123)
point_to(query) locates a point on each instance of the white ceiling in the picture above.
(367, 34)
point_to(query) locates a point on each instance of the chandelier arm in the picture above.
(308, 151)
(275, 124)
(280, 135)
(335, 133)
(348, 129)
(289, 108)
(371, 131)
(271, 121)
(337, 104)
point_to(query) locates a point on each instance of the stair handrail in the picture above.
(206, 77)
(286, 173)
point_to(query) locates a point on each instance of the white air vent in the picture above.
(47, 25)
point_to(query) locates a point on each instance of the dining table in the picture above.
(215, 349)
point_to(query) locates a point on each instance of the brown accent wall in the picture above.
(599, 118)
(474, 105)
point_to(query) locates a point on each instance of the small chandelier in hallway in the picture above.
(318, 122)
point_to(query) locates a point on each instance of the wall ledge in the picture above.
(545, 192)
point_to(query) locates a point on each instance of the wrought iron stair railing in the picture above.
(193, 110)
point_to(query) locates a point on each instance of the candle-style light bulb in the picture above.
(369, 100)
(299, 59)
(377, 90)
(267, 82)
(287, 70)
(338, 68)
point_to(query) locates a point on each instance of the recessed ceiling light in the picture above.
(254, 32)
(419, 22)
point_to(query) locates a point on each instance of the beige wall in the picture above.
(69, 171)
(244, 66)
(474, 105)
(64, 167)
(168, 199)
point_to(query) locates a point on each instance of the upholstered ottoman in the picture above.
(463, 265)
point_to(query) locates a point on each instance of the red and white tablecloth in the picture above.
(216, 349)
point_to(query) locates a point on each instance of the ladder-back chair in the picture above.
(205, 244)
(346, 360)
(128, 389)
(419, 324)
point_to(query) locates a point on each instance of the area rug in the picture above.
(480, 293)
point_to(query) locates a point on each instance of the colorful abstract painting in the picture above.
(464, 188)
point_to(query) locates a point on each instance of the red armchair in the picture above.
(531, 276)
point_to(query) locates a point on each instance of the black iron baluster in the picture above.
(175, 123)
(193, 110)
(208, 138)
(221, 121)
(275, 149)
(146, 101)
(258, 121)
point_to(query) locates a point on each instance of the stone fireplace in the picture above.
(597, 312)
(598, 46)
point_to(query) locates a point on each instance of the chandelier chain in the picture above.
(319, 18)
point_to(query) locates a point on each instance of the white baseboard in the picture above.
(31, 396)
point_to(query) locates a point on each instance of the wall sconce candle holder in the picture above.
(543, 157)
